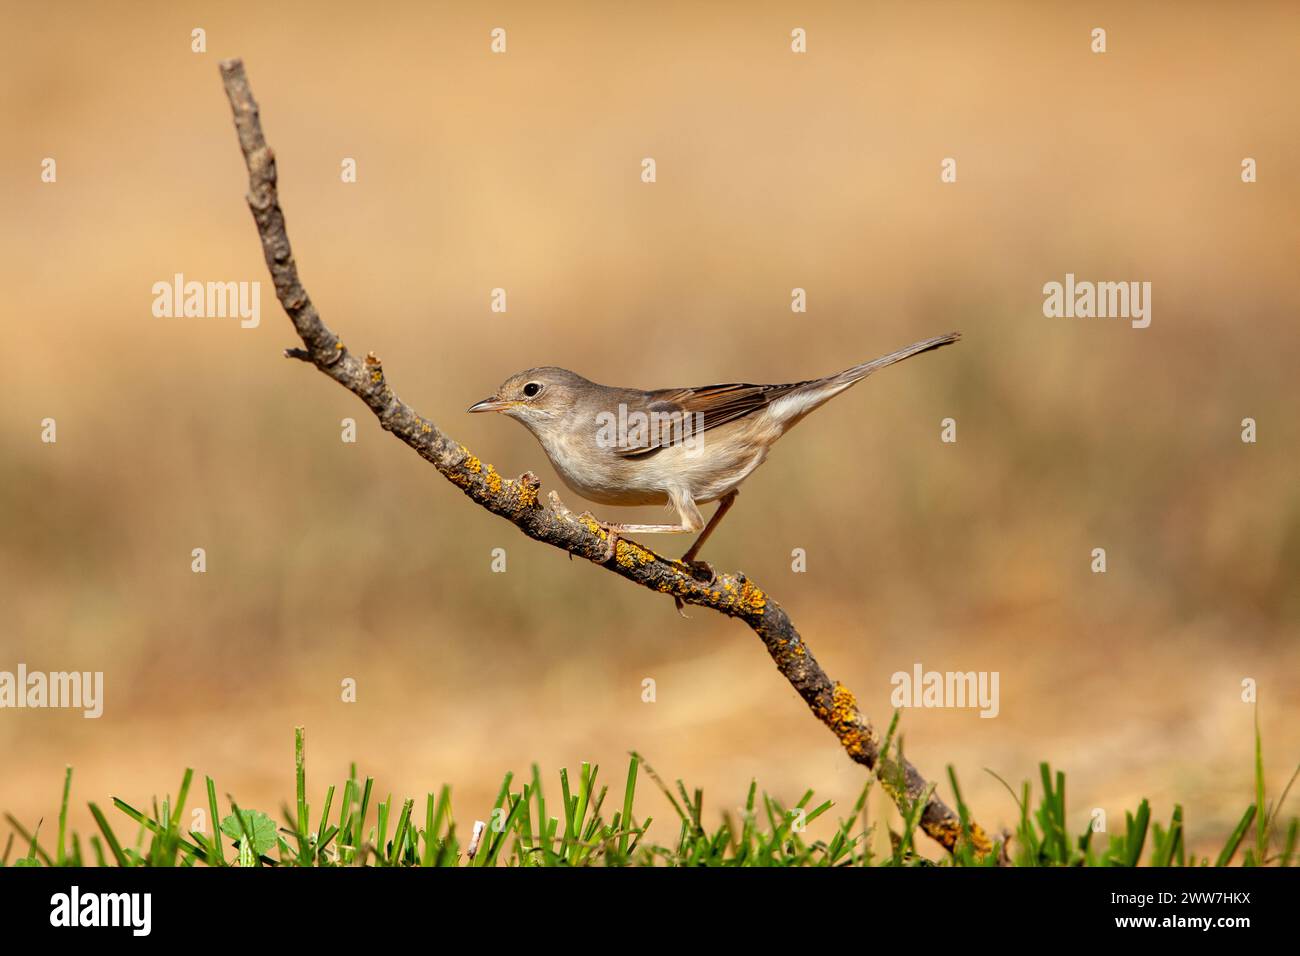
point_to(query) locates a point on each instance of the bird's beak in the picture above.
(488, 405)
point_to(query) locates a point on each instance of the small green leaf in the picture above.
(260, 826)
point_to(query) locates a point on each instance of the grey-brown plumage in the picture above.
(678, 446)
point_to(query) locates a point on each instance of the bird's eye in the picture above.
(531, 389)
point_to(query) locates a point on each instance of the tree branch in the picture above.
(516, 499)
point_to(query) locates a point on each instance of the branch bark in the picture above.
(517, 499)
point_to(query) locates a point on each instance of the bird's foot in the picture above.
(611, 540)
(701, 571)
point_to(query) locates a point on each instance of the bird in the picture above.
(679, 447)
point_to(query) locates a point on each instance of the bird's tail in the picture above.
(801, 399)
(859, 372)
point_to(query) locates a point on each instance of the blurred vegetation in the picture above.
(586, 831)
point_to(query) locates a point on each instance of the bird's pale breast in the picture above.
(706, 467)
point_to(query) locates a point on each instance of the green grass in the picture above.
(588, 831)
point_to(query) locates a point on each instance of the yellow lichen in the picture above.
(631, 555)
(846, 722)
(979, 839)
(752, 599)
(527, 494)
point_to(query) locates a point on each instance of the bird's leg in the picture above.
(724, 505)
(611, 543)
(691, 521)
(616, 531)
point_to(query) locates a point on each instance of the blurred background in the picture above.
(475, 171)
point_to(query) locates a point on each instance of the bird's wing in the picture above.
(690, 411)
(687, 412)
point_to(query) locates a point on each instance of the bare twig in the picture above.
(516, 499)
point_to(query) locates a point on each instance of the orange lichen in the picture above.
(979, 839)
(947, 832)
(752, 600)
(845, 720)
(527, 493)
(631, 555)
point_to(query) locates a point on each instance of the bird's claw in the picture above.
(701, 571)
(611, 543)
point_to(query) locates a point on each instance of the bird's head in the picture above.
(536, 396)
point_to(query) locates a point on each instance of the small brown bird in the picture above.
(682, 447)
